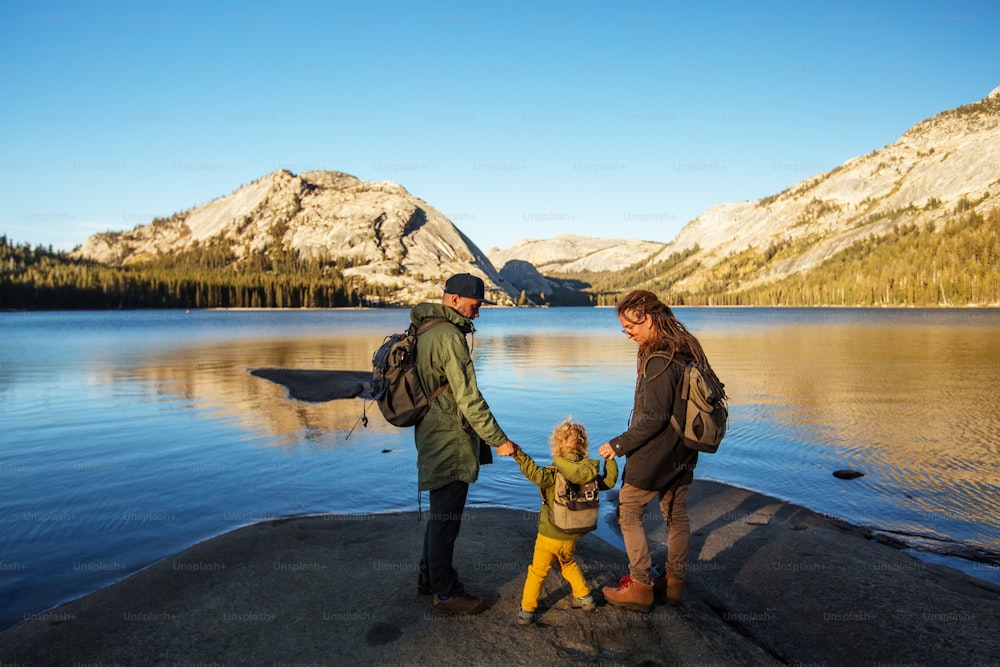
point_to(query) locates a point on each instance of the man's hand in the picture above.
(508, 449)
(606, 451)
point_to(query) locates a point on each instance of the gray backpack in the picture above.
(574, 506)
(700, 414)
(396, 386)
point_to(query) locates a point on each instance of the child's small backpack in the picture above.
(574, 506)
(395, 383)
(700, 414)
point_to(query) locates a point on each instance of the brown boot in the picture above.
(674, 589)
(630, 594)
(459, 604)
(659, 587)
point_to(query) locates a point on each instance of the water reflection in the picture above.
(894, 393)
(915, 407)
(112, 418)
(217, 378)
(912, 405)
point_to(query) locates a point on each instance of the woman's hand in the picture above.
(606, 451)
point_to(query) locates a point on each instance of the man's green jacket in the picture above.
(447, 438)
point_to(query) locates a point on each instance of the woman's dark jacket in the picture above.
(655, 459)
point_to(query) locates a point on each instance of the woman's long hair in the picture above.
(671, 336)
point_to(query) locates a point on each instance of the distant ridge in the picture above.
(571, 253)
(919, 179)
(879, 217)
(397, 243)
(934, 190)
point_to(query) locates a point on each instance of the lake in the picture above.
(129, 436)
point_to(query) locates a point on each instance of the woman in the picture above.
(657, 465)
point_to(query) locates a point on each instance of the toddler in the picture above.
(569, 455)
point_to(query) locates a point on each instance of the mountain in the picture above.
(915, 222)
(539, 267)
(398, 244)
(570, 253)
(938, 169)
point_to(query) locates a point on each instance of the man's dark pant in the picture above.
(447, 505)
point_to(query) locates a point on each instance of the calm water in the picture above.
(125, 437)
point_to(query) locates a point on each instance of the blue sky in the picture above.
(516, 120)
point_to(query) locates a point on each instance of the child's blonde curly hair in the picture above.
(569, 438)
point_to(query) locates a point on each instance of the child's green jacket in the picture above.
(577, 471)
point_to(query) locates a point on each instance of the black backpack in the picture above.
(396, 386)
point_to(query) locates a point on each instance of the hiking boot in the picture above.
(666, 588)
(525, 617)
(674, 589)
(424, 584)
(659, 587)
(630, 594)
(458, 604)
(585, 603)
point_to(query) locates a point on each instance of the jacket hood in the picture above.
(576, 470)
(430, 310)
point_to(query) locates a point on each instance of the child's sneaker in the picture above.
(525, 617)
(585, 603)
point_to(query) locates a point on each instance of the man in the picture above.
(449, 436)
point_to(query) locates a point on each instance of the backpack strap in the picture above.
(429, 324)
(669, 356)
(424, 326)
(679, 399)
(663, 355)
(541, 491)
(681, 395)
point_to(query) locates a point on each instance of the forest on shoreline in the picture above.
(956, 263)
(914, 266)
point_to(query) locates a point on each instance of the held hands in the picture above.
(508, 449)
(606, 451)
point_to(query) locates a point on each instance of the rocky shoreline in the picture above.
(770, 583)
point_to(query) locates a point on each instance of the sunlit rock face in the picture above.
(920, 179)
(384, 234)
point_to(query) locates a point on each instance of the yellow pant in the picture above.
(547, 550)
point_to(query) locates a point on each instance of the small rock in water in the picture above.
(386, 451)
(847, 474)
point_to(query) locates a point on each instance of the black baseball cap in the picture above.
(469, 286)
